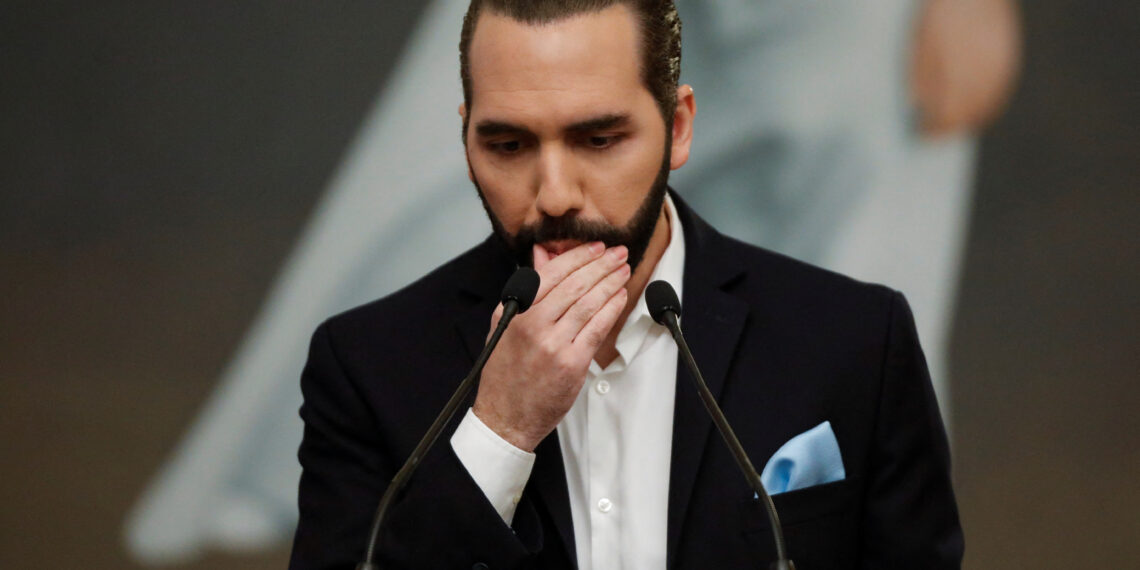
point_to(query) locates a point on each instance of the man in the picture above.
(581, 447)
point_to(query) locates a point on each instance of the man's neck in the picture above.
(662, 232)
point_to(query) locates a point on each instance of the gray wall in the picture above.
(160, 160)
(1046, 347)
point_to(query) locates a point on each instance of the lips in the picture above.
(558, 247)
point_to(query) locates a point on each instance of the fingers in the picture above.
(591, 335)
(552, 271)
(593, 300)
(580, 282)
(581, 296)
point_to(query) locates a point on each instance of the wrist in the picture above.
(509, 432)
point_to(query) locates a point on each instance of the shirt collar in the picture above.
(669, 268)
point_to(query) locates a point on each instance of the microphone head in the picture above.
(521, 288)
(661, 298)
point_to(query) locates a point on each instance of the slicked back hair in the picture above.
(658, 23)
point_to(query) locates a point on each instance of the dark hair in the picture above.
(660, 28)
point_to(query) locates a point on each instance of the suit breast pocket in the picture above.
(820, 524)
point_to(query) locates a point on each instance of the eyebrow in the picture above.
(604, 122)
(491, 128)
(494, 128)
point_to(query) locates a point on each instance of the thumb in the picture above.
(498, 314)
(541, 257)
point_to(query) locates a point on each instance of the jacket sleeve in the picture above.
(911, 517)
(441, 520)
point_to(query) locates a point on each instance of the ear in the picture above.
(463, 119)
(683, 126)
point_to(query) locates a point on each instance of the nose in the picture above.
(559, 188)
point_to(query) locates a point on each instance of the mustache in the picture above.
(572, 228)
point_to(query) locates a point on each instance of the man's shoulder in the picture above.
(793, 277)
(769, 278)
(807, 303)
(763, 275)
(457, 284)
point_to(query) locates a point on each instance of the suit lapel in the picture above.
(712, 321)
(483, 281)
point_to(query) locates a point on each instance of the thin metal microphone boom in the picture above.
(664, 307)
(517, 296)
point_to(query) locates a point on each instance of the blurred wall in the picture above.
(161, 159)
(1045, 352)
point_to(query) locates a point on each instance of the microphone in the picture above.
(518, 294)
(664, 307)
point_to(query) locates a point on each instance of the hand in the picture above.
(536, 372)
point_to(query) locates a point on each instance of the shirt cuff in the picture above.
(500, 469)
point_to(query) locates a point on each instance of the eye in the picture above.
(505, 147)
(599, 142)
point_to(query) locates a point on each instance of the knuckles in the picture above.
(594, 337)
(547, 349)
(566, 363)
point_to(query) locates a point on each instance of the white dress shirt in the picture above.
(616, 442)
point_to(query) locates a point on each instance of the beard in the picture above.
(635, 235)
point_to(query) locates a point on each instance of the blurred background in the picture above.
(189, 188)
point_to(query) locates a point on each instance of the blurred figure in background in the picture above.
(841, 133)
(844, 126)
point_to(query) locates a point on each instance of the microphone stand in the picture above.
(666, 314)
(517, 297)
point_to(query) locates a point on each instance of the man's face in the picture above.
(564, 142)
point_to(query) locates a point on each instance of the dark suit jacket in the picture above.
(783, 346)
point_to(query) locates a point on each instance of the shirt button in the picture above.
(605, 505)
(602, 387)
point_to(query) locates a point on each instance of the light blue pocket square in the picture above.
(811, 458)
